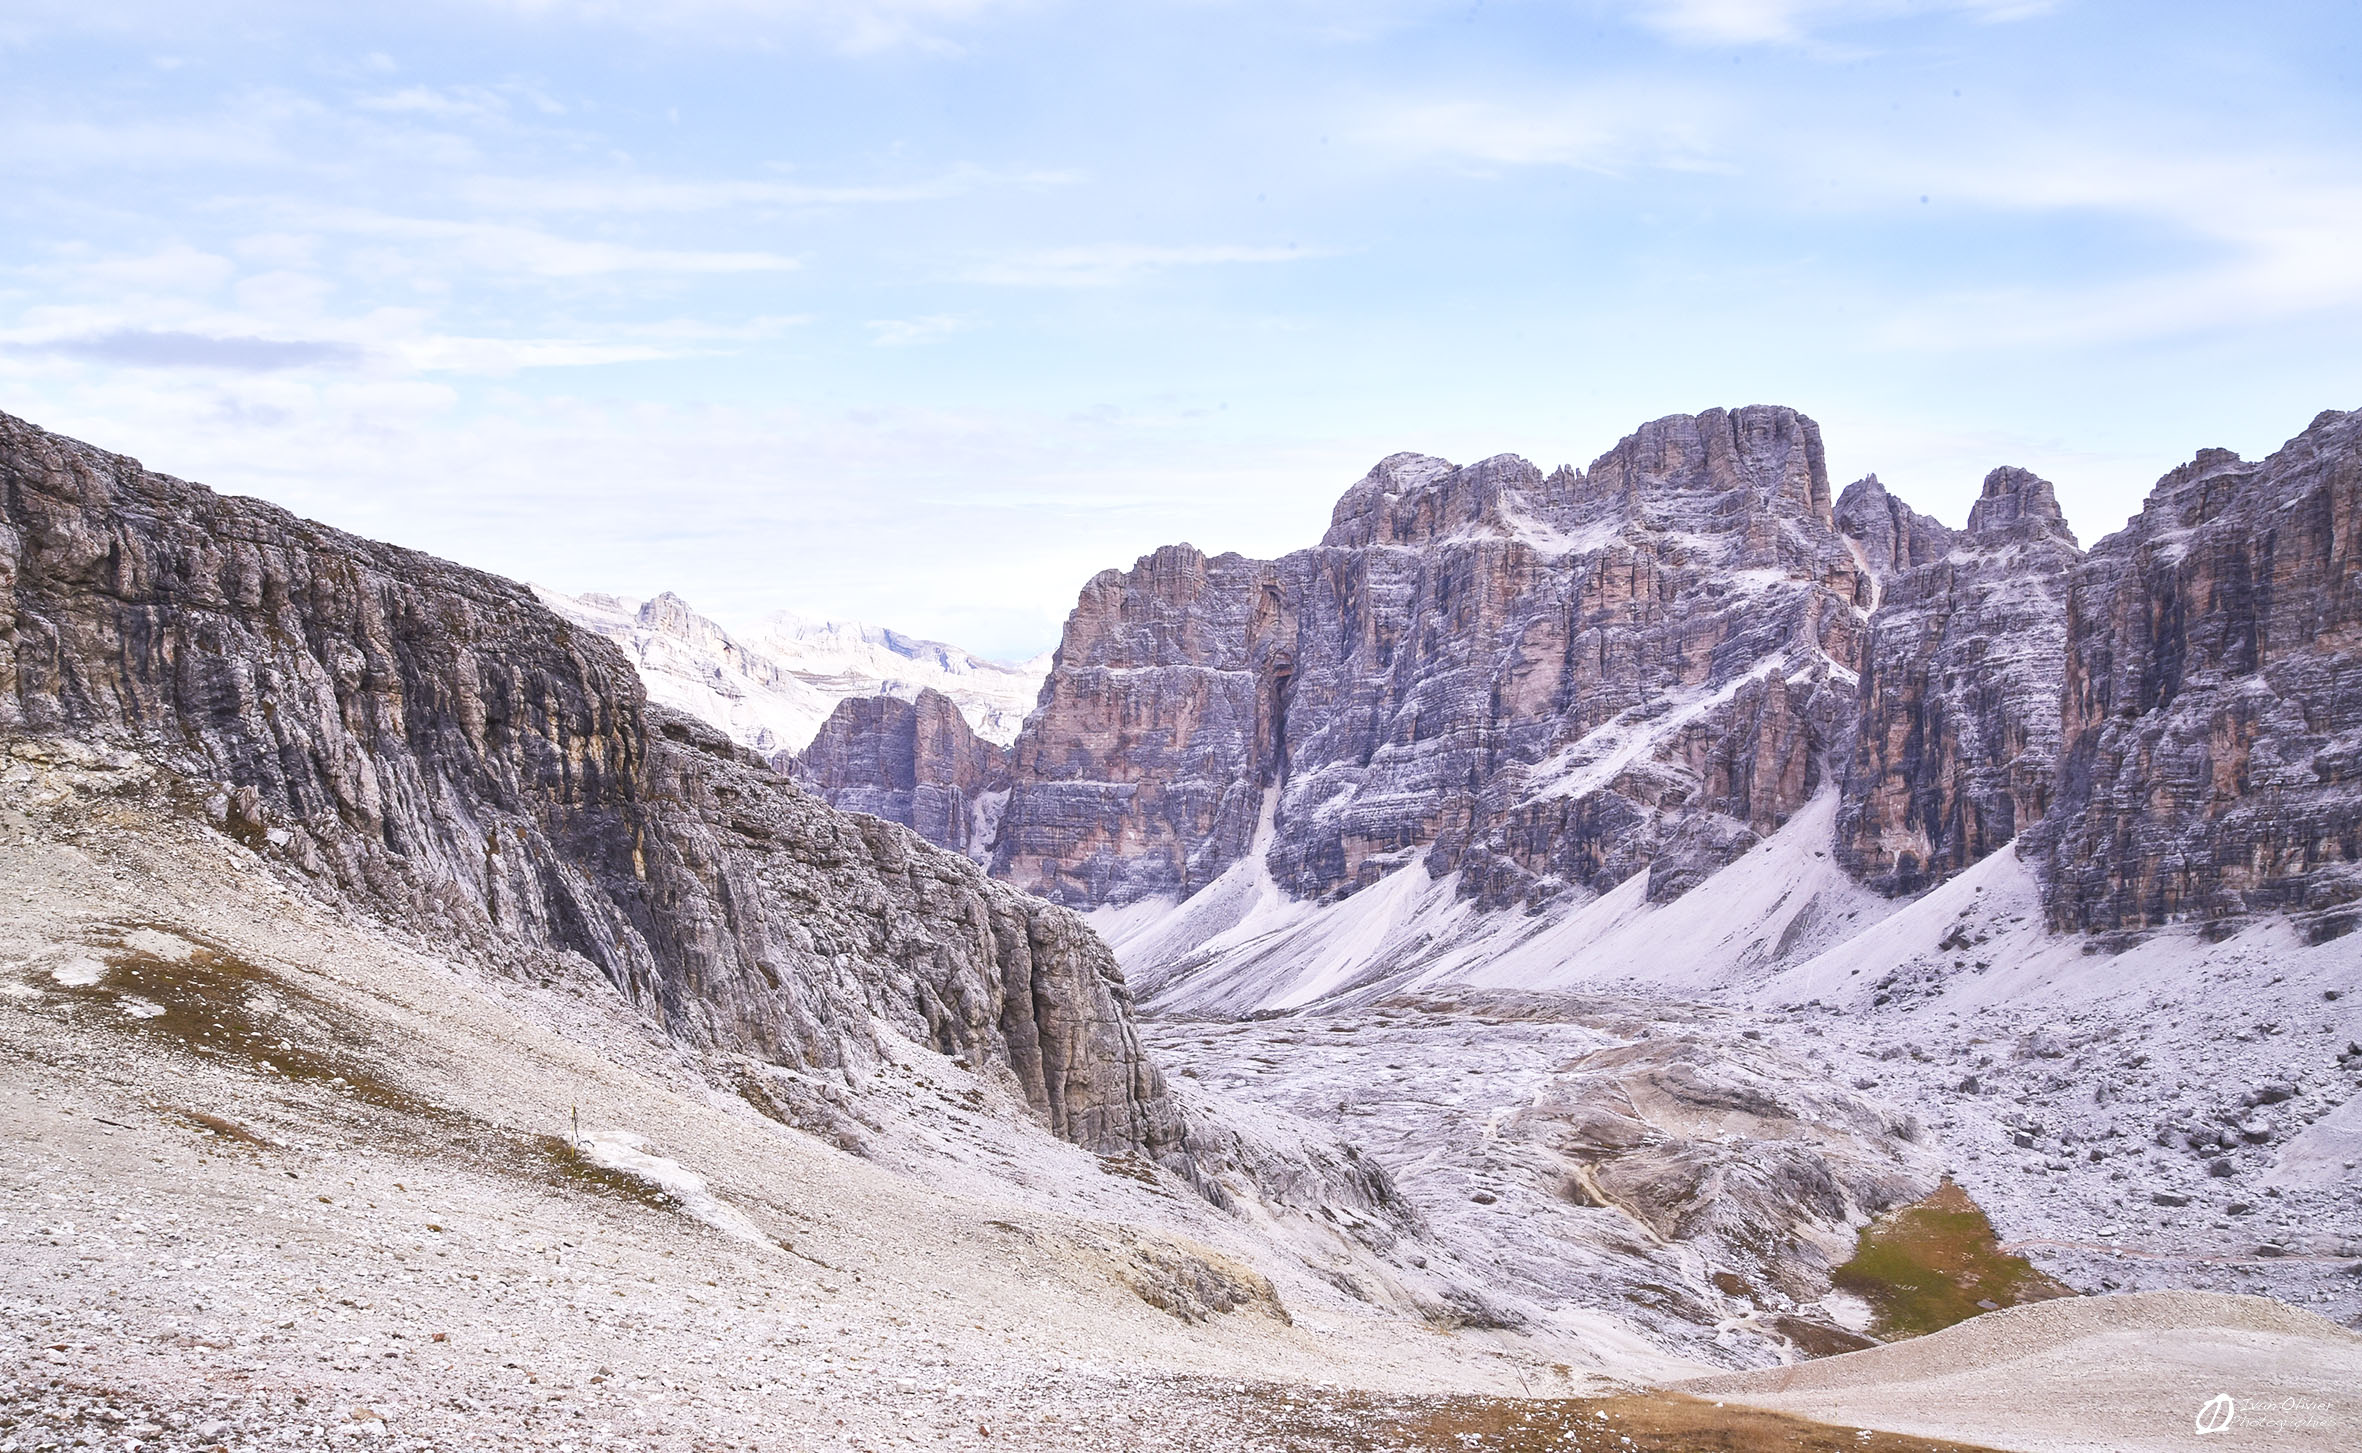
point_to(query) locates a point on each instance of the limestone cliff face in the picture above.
(1889, 537)
(916, 762)
(431, 743)
(1547, 683)
(1142, 770)
(1537, 680)
(1958, 740)
(2212, 710)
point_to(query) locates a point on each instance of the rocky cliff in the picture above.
(1541, 681)
(1958, 740)
(2212, 707)
(916, 762)
(434, 745)
(1546, 683)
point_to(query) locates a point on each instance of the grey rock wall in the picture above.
(916, 762)
(1542, 680)
(1958, 739)
(2212, 704)
(1549, 682)
(432, 744)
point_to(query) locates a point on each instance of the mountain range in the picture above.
(770, 687)
(1561, 934)
(1536, 689)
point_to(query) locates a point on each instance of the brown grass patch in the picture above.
(1307, 1419)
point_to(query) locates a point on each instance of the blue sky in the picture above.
(922, 311)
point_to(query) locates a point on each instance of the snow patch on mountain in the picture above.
(2180, 1110)
(771, 684)
(1241, 945)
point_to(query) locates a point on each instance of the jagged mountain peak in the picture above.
(1414, 499)
(2018, 502)
(1771, 450)
(1890, 536)
(1740, 475)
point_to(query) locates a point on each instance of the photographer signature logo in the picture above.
(2215, 1416)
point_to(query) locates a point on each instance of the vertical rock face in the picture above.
(1141, 771)
(432, 743)
(2212, 712)
(1959, 734)
(1538, 680)
(1888, 535)
(914, 762)
(1546, 683)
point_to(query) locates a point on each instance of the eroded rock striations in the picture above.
(1547, 683)
(915, 762)
(1959, 734)
(1540, 681)
(431, 742)
(2212, 712)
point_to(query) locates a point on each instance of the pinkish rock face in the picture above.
(1543, 680)
(1958, 740)
(1550, 682)
(914, 762)
(2212, 712)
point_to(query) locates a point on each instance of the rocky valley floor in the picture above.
(271, 1175)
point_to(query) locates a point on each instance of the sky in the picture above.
(921, 312)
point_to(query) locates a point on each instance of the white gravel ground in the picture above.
(2129, 1373)
(270, 1178)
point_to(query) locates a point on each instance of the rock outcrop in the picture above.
(432, 744)
(1142, 770)
(2212, 711)
(915, 762)
(1959, 733)
(1889, 537)
(1546, 683)
(1539, 681)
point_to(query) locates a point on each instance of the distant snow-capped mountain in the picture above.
(772, 686)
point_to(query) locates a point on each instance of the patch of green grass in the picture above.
(1936, 1262)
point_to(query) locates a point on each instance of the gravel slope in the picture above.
(270, 1176)
(2110, 1374)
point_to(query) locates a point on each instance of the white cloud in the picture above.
(852, 25)
(1110, 263)
(511, 248)
(903, 332)
(154, 348)
(458, 103)
(1603, 129)
(446, 353)
(175, 269)
(697, 330)
(283, 295)
(2277, 236)
(666, 194)
(278, 249)
(73, 147)
(1794, 22)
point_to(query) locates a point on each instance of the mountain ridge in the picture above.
(772, 685)
(1540, 685)
(431, 741)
